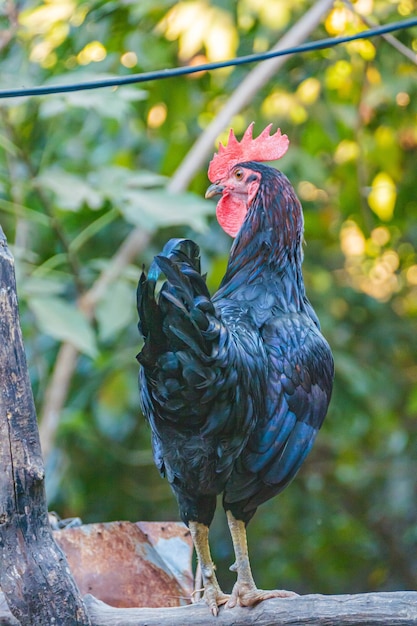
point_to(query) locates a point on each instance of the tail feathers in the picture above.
(182, 251)
(149, 314)
(181, 315)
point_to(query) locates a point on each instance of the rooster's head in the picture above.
(233, 178)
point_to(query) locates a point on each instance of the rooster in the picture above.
(235, 386)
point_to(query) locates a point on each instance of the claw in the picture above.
(249, 596)
(214, 599)
(213, 595)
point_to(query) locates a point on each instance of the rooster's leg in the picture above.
(213, 595)
(245, 591)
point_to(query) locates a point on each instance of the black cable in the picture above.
(182, 71)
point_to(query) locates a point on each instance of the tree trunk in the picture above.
(34, 573)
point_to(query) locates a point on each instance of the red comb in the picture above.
(266, 147)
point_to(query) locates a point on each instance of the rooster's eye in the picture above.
(239, 174)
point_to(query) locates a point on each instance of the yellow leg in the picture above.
(245, 591)
(213, 595)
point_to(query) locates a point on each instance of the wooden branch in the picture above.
(398, 608)
(374, 609)
(34, 573)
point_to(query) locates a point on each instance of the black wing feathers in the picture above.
(300, 382)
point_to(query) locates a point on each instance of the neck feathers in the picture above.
(272, 233)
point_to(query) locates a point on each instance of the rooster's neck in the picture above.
(268, 248)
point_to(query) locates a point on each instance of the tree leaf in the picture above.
(154, 208)
(116, 310)
(71, 192)
(113, 181)
(105, 102)
(64, 322)
(37, 286)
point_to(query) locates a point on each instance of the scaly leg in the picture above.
(245, 591)
(213, 595)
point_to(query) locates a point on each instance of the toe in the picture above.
(233, 599)
(252, 597)
(214, 599)
(249, 596)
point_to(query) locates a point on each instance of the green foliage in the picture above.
(79, 172)
(64, 322)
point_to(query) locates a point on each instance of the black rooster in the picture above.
(235, 386)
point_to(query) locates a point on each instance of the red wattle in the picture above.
(231, 213)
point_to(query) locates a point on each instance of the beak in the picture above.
(214, 190)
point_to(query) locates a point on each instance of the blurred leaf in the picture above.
(382, 196)
(116, 310)
(113, 181)
(24, 212)
(64, 322)
(111, 399)
(71, 192)
(93, 229)
(7, 145)
(107, 102)
(34, 285)
(155, 208)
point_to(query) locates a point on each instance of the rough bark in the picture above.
(34, 573)
(374, 609)
(366, 609)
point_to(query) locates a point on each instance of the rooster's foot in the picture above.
(214, 597)
(248, 595)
